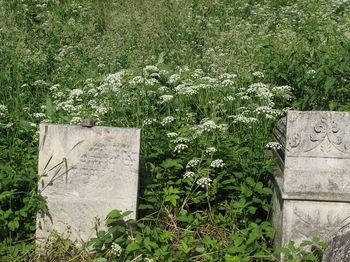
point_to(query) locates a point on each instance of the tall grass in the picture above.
(222, 69)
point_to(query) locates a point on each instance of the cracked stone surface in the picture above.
(84, 174)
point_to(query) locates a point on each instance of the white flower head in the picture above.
(192, 163)
(165, 98)
(204, 182)
(210, 150)
(116, 249)
(171, 134)
(273, 145)
(180, 147)
(258, 74)
(189, 174)
(218, 163)
(167, 120)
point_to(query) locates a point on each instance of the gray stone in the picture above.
(312, 178)
(84, 174)
(338, 249)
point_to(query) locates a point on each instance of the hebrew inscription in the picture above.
(85, 173)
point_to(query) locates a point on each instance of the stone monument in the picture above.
(312, 179)
(84, 174)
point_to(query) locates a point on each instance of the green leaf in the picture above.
(132, 247)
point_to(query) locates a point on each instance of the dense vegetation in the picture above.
(205, 80)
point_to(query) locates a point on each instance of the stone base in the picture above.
(296, 220)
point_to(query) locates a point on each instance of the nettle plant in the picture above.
(205, 177)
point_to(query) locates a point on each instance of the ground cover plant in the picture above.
(205, 80)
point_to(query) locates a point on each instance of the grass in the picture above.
(205, 80)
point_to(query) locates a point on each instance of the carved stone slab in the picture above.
(85, 173)
(317, 156)
(306, 219)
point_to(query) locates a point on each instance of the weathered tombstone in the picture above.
(312, 178)
(85, 173)
(338, 249)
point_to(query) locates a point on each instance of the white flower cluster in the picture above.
(151, 82)
(165, 98)
(75, 120)
(273, 145)
(189, 174)
(260, 90)
(116, 249)
(39, 115)
(75, 94)
(112, 82)
(171, 134)
(174, 79)
(218, 163)
(137, 80)
(207, 126)
(181, 140)
(187, 90)
(149, 69)
(180, 147)
(229, 98)
(243, 119)
(258, 74)
(167, 120)
(148, 122)
(267, 111)
(210, 150)
(3, 111)
(192, 163)
(227, 82)
(282, 91)
(204, 182)
(227, 76)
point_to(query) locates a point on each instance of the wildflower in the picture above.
(136, 80)
(189, 174)
(171, 134)
(75, 120)
(166, 98)
(3, 111)
(258, 74)
(243, 119)
(181, 140)
(180, 147)
(173, 79)
(227, 76)
(192, 163)
(218, 163)
(204, 182)
(167, 120)
(151, 81)
(229, 98)
(163, 89)
(148, 122)
(39, 115)
(311, 72)
(210, 150)
(208, 126)
(273, 145)
(227, 82)
(116, 249)
(75, 93)
(149, 69)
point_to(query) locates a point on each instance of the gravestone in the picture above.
(338, 249)
(84, 174)
(312, 178)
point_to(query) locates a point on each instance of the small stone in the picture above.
(87, 122)
(338, 249)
